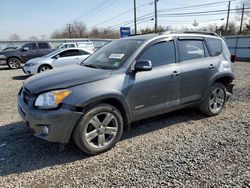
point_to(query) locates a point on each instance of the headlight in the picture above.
(30, 64)
(2, 57)
(51, 99)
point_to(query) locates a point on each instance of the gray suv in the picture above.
(125, 81)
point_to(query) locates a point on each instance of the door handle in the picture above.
(211, 66)
(175, 73)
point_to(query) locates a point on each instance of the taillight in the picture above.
(233, 58)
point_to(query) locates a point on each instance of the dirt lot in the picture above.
(181, 149)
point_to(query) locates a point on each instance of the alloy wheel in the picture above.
(101, 130)
(217, 100)
(14, 63)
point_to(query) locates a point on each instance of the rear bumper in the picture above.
(60, 122)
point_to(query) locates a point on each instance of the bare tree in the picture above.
(14, 37)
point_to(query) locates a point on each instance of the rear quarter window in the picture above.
(43, 45)
(214, 46)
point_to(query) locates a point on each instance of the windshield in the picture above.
(113, 55)
(53, 53)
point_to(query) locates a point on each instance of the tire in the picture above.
(14, 63)
(43, 68)
(215, 100)
(100, 128)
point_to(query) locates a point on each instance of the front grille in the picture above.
(26, 95)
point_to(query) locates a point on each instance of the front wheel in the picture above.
(14, 63)
(43, 68)
(215, 100)
(99, 129)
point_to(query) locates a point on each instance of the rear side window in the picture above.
(159, 54)
(214, 46)
(190, 49)
(43, 45)
(82, 52)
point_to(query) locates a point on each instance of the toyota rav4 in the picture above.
(125, 81)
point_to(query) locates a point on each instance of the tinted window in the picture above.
(69, 53)
(43, 45)
(214, 46)
(31, 46)
(82, 52)
(190, 49)
(160, 54)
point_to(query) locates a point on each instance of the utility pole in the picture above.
(135, 17)
(156, 19)
(242, 17)
(228, 12)
(69, 30)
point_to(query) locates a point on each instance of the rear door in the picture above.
(44, 48)
(194, 61)
(156, 91)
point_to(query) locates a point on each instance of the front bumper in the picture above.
(60, 122)
(3, 62)
(29, 70)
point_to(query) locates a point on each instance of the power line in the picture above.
(185, 14)
(123, 13)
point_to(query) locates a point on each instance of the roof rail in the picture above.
(202, 32)
(190, 32)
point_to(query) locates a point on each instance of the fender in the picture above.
(104, 96)
(216, 77)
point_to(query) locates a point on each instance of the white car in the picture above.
(58, 58)
(85, 45)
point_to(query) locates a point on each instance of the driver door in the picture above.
(29, 51)
(156, 91)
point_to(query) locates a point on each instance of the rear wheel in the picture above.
(215, 101)
(14, 63)
(99, 129)
(43, 68)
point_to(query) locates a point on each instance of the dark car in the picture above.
(125, 81)
(14, 58)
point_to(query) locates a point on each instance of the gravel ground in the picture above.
(180, 149)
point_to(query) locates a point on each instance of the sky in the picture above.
(28, 18)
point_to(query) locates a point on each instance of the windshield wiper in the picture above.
(89, 65)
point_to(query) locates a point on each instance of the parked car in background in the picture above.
(14, 58)
(125, 81)
(58, 58)
(85, 45)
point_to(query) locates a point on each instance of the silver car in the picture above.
(58, 58)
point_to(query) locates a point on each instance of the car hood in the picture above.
(64, 77)
(7, 52)
(37, 60)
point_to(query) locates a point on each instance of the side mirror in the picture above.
(25, 48)
(56, 57)
(143, 65)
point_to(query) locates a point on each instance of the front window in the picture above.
(53, 53)
(113, 55)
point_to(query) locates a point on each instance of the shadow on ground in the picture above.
(22, 77)
(21, 152)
